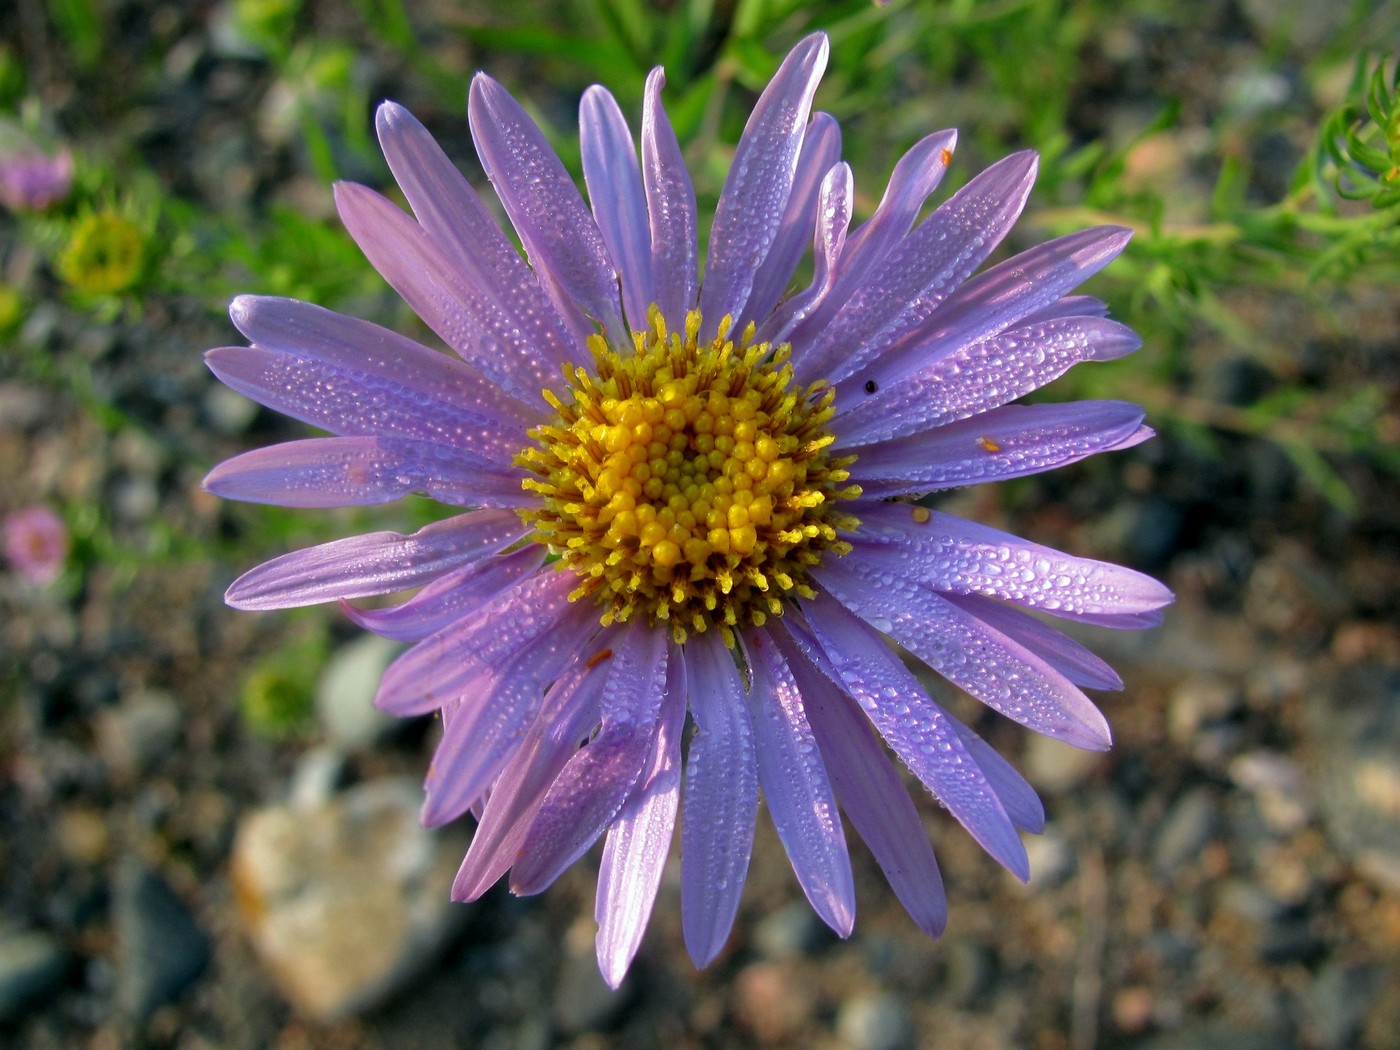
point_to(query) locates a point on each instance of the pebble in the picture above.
(32, 967)
(346, 689)
(874, 1022)
(970, 971)
(1199, 701)
(791, 932)
(318, 774)
(161, 949)
(1278, 786)
(1186, 828)
(1210, 1036)
(347, 901)
(1052, 858)
(1335, 1002)
(582, 1000)
(1358, 742)
(141, 730)
(227, 411)
(82, 836)
(774, 1002)
(1055, 767)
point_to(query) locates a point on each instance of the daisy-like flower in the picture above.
(31, 180)
(36, 543)
(690, 502)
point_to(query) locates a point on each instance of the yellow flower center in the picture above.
(687, 483)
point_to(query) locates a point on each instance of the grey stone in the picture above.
(319, 772)
(138, 732)
(227, 411)
(582, 1000)
(345, 692)
(161, 949)
(1185, 830)
(1199, 701)
(875, 1022)
(1052, 858)
(1054, 766)
(347, 901)
(32, 967)
(1357, 737)
(1278, 786)
(1335, 1003)
(1212, 1036)
(791, 932)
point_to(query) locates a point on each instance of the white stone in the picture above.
(347, 901)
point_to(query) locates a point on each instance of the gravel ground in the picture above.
(1228, 876)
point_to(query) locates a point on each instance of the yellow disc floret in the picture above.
(687, 483)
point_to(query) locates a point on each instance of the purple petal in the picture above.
(484, 727)
(829, 238)
(916, 175)
(353, 402)
(369, 357)
(755, 195)
(854, 656)
(873, 797)
(450, 301)
(596, 782)
(991, 301)
(671, 207)
(967, 651)
(451, 597)
(568, 713)
(361, 471)
(795, 785)
(953, 554)
(1016, 796)
(1123, 621)
(471, 651)
(376, 563)
(1008, 442)
(565, 245)
(1069, 306)
(721, 798)
(454, 217)
(1062, 653)
(619, 203)
(639, 840)
(917, 274)
(979, 376)
(821, 150)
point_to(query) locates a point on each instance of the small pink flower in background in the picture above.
(36, 543)
(31, 180)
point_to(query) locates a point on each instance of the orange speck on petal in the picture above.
(989, 444)
(597, 658)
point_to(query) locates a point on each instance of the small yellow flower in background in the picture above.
(11, 308)
(105, 254)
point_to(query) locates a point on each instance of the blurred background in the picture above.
(209, 839)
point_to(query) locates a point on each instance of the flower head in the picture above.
(31, 180)
(105, 254)
(36, 543)
(691, 501)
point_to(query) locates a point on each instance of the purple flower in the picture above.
(31, 180)
(687, 499)
(36, 543)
